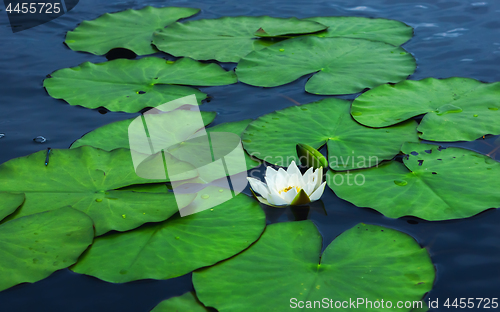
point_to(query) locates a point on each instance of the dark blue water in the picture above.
(452, 38)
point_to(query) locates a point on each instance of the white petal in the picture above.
(290, 195)
(281, 179)
(310, 183)
(293, 180)
(270, 184)
(276, 199)
(270, 176)
(319, 191)
(301, 182)
(308, 176)
(309, 189)
(293, 169)
(259, 187)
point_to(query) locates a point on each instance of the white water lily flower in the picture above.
(290, 187)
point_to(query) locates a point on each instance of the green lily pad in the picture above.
(9, 202)
(273, 137)
(457, 109)
(129, 29)
(186, 302)
(87, 179)
(236, 127)
(436, 184)
(227, 39)
(132, 85)
(178, 245)
(189, 151)
(33, 247)
(376, 29)
(148, 188)
(422, 308)
(288, 257)
(340, 65)
(177, 125)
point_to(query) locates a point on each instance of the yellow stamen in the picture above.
(286, 189)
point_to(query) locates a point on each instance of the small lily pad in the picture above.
(88, 179)
(178, 245)
(227, 39)
(184, 303)
(456, 109)
(339, 65)
(129, 29)
(9, 202)
(375, 29)
(432, 184)
(33, 247)
(273, 137)
(288, 257)
(132, 85)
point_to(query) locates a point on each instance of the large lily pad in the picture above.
(184, 303)
(432, 184)
(33, 247)
(341, 65)
(273, 137)
(227, 39)
(132, 85)
(376, 29)
(224, 144)
(130, 29)
(178, 245)
(457, 109)
(366, 261)
(176, 125)
(87, 179)
(9, 202)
